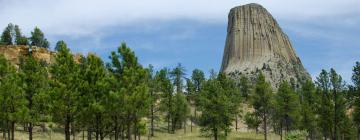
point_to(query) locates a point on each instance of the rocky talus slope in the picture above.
(255, 43)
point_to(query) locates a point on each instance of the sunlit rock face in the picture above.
(255, 43)
(13, 53)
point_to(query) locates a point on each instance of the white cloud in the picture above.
(84, 17)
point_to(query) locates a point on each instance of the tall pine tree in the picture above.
(65, 89)
(262, 102)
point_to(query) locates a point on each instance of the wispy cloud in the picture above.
(84, 17)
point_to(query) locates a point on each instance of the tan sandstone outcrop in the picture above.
(255, 43)
(14, 52)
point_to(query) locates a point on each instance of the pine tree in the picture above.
(333, 120)
(325, 108)
(7, 35)
(191, 94)
(65, 89)
(342, 126)
(286, 108)
(245, 87)
(94, 96)
(356, 80)
(134, 88)
(218, 103)
(181, 111)
(166, 89)
(38, 39)
(35, 79)
(178, 74)
(309, 102)
(262, 102)
(19, 38)
(197, 80)
(59, 44)
(12, 98)
(154, 88)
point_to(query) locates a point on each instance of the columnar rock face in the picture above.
(255, 43)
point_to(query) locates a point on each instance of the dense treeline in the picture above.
(122, 99)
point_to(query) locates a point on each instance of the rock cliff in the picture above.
(14, 52)
(255, 43)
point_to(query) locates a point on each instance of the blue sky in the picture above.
(324, 33)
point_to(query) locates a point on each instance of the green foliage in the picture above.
(181, 110)
(11, 34)
(7, 35)
(197, 78)
(296, 135)
(133, 88)
(38, 39)
(20, 39)
(218, 106)
(194, 88)
(178, 74)
(286, 108)
(59, 44)
(333, 120)
(356, 92)
(262, 100)
(356, 74)
(35, 86)
(245, 87)
(11, 96)
(252, 121)
(65, 74)
(325, 107)
(309, 102)
(95, 89)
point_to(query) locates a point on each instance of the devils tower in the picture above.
(254, 43)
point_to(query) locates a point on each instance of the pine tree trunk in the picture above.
(67, 127)
(236, 122)
(185, 126)
(97, 134)
(128, 135)
(152, 120)
(30, 129)
(116, 130)
(191, 123)
(9, 133)
(73, 133)
(168, 123)
(4, 134)
(215, 134)
(135, 129)
(281, 131)
(265, 127)
(335, 118)
(89, 134)
(12, 130)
